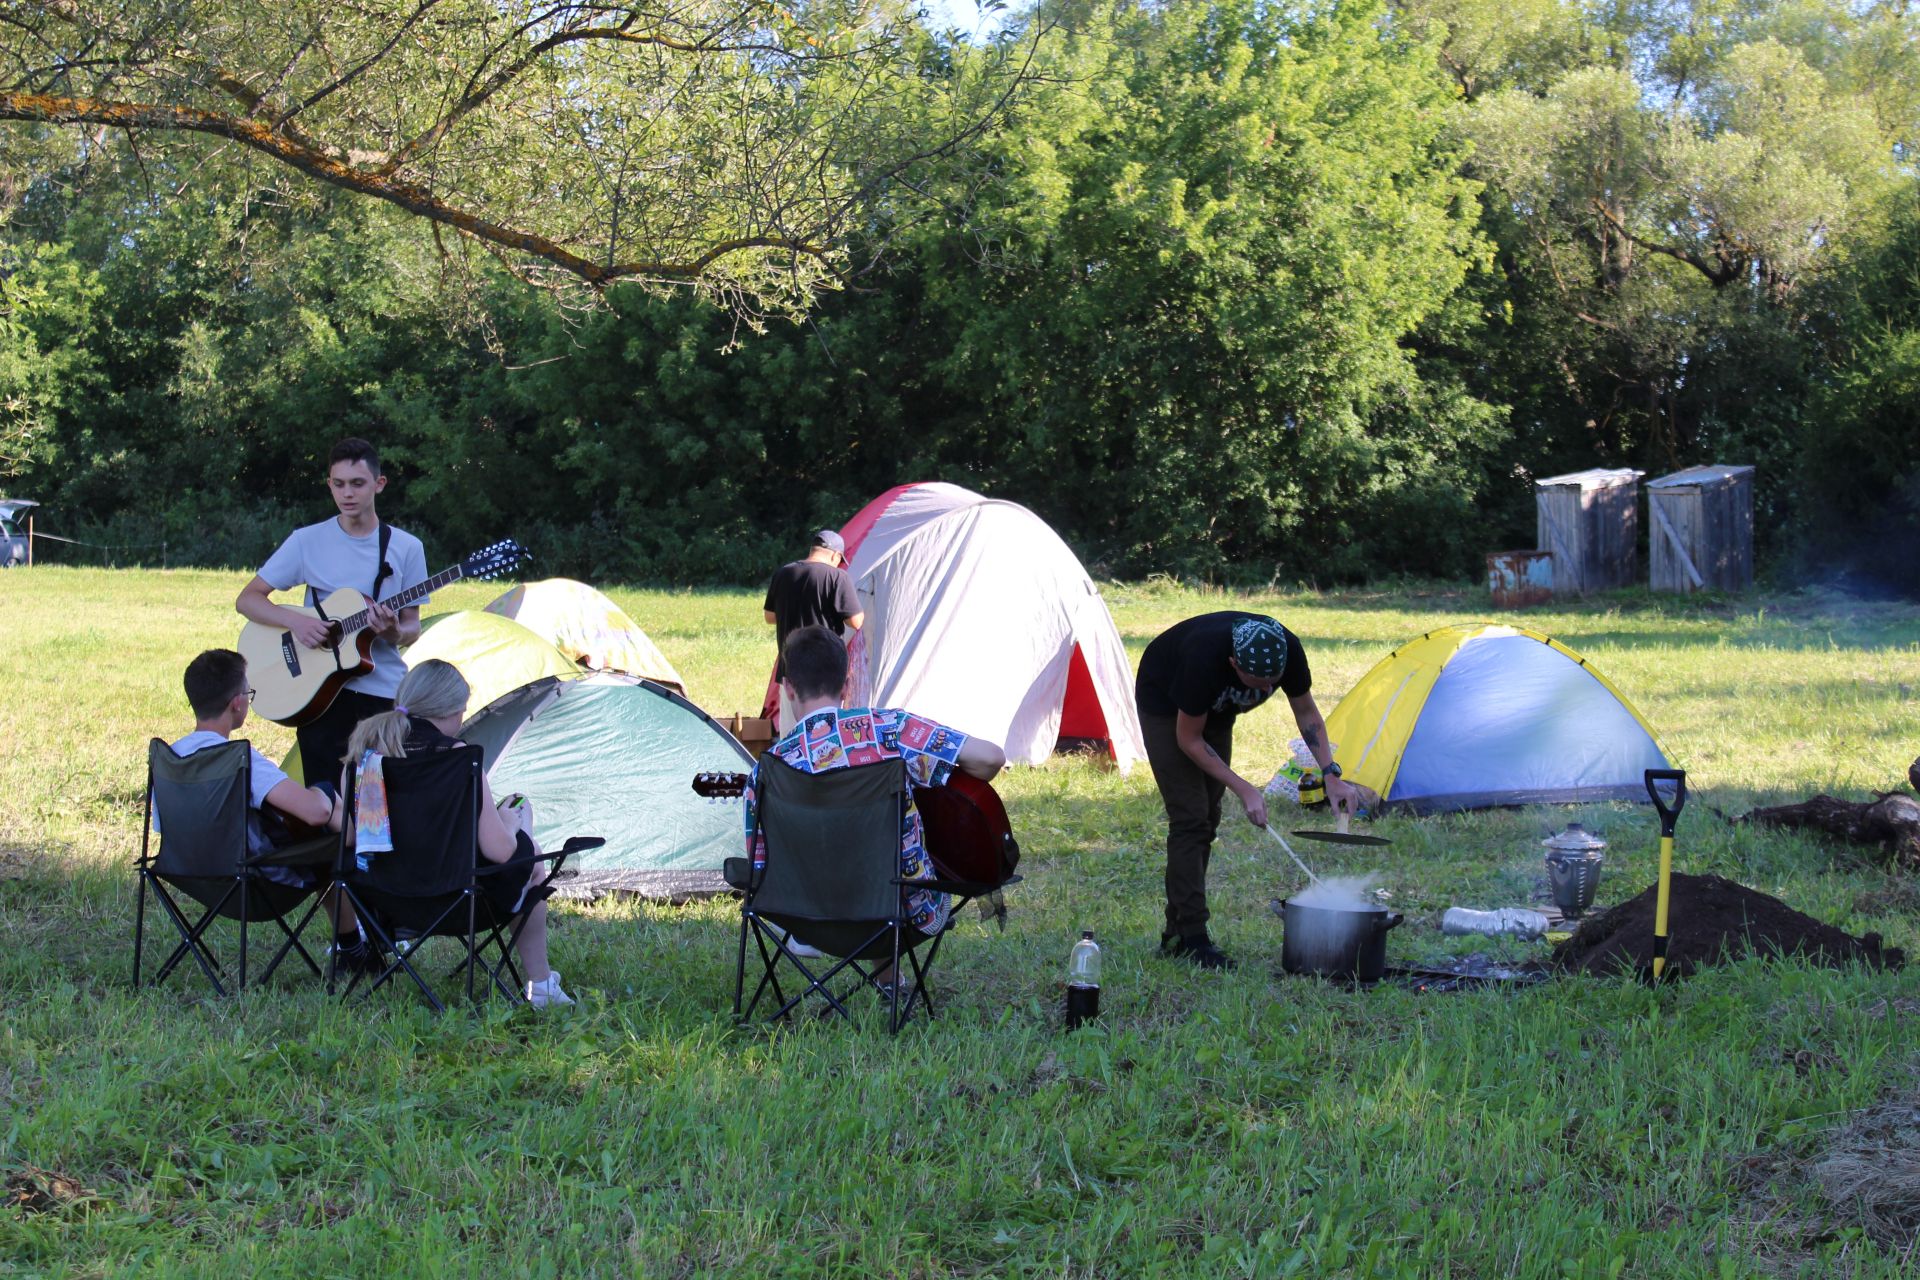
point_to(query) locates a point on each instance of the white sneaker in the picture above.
(547, 994)
(794, 947)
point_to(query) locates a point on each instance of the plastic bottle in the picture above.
(1083, 980)
(1516, 921)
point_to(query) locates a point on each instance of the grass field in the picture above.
(1215, 1125)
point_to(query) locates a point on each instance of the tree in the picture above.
(725, 145)
(1667, 181)
(1216, 230)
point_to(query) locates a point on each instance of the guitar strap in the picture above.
(386, 536)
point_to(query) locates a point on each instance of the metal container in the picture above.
(1336, 943)
(1574, 857)
(1520, 578)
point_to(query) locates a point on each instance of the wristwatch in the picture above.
(1332, 770)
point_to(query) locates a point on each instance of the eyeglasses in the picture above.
(250, 692)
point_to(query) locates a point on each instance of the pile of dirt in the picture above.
(1711, 920)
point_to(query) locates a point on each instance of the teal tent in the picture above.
(612, 756)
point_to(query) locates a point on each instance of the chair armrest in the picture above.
(495, 868)
(577, 844)
(318, 851)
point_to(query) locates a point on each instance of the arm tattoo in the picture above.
(1315, 738)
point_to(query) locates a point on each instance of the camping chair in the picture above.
(202, 803)
(428, 885)
(831, 879)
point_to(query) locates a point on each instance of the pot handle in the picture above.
(1393, 919)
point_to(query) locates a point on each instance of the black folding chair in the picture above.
(202, 803)
(832, 880)
(428, 885)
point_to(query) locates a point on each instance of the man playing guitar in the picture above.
(828, 736)
(355, 550)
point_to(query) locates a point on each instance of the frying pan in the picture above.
(1342, 837)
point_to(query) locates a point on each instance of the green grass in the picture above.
(1215, 1125)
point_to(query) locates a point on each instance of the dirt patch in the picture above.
(13, 862)
(32, 1191)
(1711, 920)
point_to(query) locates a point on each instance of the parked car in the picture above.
(13, 532)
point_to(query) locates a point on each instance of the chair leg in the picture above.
(400, 961)
(920, 971)
(340, 895)
(769, 970)
(893, 987)
(739, 966)
(293, 943)
(191, 944)
(139, 924)
(470, 944)
(919, 989)
(240, 988)
(504, 948)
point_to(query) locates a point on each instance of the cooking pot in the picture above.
(1336, 942)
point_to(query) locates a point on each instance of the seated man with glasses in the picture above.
(217, 689)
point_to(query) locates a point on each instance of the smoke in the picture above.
(1339, 893)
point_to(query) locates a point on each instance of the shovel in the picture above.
(1669, 817)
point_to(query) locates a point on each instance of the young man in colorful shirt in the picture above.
(828, 736)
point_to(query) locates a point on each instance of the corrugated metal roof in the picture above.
(1597, 478)
(1708, 474)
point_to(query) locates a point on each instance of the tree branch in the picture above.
(414, 198)
(1721, 275)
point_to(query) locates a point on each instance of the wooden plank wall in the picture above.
(1715, 524)
(1613, 531)
(1558, 528)
(1594, 535)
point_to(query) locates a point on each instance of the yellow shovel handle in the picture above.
(1660, 906)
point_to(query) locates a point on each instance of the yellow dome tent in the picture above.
(588, 627)
(1480, 715)
(496, 655)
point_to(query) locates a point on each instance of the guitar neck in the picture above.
(400, 600)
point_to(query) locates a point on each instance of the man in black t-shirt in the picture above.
(1194, 679)
(815, 592)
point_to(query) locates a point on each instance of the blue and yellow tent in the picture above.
(1482, 715)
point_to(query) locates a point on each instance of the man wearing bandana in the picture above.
(1194, 679)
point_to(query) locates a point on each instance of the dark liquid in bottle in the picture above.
(1083, 1002)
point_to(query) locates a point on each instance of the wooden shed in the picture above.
(1590, 521)
(1701, 530)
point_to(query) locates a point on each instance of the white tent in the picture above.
(978, 616)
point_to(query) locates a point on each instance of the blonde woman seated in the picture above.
(428, 709)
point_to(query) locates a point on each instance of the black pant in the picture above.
(323, 742)
(1192, 800)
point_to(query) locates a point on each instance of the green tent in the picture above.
(613, 756)
(495, 654)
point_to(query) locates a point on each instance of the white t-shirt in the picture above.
(263, 776)
(324, 557)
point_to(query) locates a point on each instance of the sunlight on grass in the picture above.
(1211, 1125)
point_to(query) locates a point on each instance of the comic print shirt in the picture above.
(848, 737)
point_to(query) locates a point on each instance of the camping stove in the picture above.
(1573, 868)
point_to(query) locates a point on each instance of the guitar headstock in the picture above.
(720, 786)
(495, 559)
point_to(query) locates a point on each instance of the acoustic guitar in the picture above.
(294, 685)
(965, 826)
